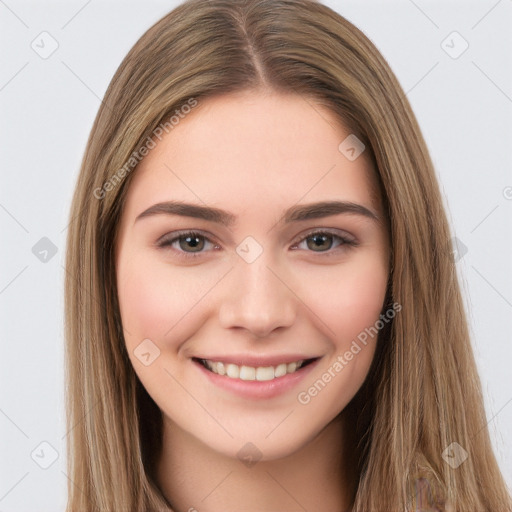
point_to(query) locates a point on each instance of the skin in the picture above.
(254, 154)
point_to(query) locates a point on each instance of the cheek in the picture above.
(155, 300)
(142, 303)
(151, 302)
(160, 302)
(349, 301)
(349, 298)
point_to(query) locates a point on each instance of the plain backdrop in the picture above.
(453, 60)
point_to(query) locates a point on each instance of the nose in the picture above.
(258, 299)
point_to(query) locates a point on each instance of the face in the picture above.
(252, 280)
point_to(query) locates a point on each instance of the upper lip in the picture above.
(256, 361)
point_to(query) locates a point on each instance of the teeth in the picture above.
(260, 373)
(291, 367)
(280, 370)
(232, 370)
(221, 369)
(265, 373)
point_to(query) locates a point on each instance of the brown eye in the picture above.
(194, 242)
(323, 242)
(186, 244)
(326, 242)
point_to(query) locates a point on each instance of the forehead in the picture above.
(250, 149)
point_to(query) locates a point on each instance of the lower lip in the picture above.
(257, 389)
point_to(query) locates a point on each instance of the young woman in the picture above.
(263, 311)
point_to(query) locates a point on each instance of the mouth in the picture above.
(252, 373)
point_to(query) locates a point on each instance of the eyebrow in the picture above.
(296, 213)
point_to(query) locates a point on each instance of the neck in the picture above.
(320, 476)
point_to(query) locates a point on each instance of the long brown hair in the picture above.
(423, 391)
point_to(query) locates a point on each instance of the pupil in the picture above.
(318, 241)
(193, 241)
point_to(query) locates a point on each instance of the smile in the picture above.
(260, 373)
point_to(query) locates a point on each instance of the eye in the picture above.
(182, 242)
(191, 244)
(324, 241)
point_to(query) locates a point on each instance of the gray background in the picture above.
(463, 104)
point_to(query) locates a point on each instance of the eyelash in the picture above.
(345, 242)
